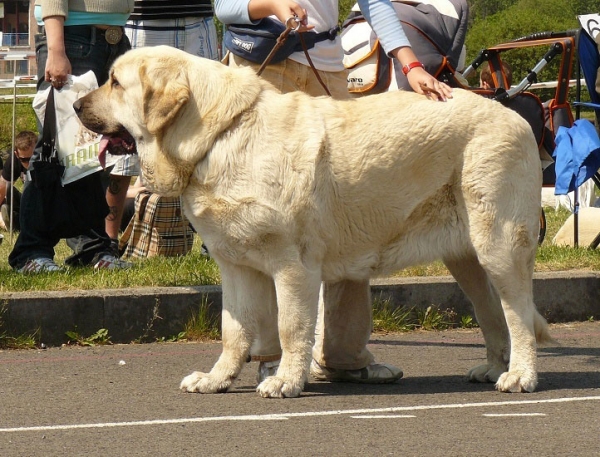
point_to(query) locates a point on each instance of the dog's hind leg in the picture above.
(297, 298)
(244, 293)
(474, 282)
(508, 261)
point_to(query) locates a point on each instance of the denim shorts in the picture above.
(194, 35)
(126, 165)
(86, 48)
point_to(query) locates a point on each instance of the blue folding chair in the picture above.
(589, 63)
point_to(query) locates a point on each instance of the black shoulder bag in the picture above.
(65, 210)
(254, 42)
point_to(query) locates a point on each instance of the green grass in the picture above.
(99, 338)
(194, 269)
(387, 318)
(189, 270)
(8, 341)
(24, 118)
(202, 325)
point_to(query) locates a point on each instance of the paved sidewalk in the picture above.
(149, 313)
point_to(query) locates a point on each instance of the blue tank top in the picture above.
(84, 18)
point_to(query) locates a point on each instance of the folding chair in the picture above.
(589, 63)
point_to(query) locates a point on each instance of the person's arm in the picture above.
(58, 66)
(248, 11)
(136, 188)
(3, 188)
(382, 17)
(232, 11)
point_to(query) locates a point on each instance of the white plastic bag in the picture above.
(77, 146)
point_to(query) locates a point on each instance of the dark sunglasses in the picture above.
(23, 159)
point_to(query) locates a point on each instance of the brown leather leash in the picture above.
(430, 90)
(315, 71)
(292, 24)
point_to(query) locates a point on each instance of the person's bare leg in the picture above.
(342, 333)
(115, 197)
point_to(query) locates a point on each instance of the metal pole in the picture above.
(12, 169)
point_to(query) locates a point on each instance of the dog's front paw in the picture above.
(204, 383)
(517, 381)
(276, 387)
(485, 373)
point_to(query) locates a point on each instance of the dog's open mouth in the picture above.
(119, 144)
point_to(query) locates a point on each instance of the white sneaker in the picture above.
(40, 265)
(266, 369)
(376, 373)
(110, 262)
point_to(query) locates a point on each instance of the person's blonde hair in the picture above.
(486, 74)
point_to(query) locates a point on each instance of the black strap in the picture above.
(49, 129)
(328, 35)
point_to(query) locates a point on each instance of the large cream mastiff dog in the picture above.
(290, 190)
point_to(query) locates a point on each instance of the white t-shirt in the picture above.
(326, 55)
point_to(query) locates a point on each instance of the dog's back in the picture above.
(400, 178)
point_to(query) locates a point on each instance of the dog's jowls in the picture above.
(289, 190)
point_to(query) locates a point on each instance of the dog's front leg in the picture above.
(297, 297)
(243, 290)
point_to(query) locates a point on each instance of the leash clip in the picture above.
(289, 23)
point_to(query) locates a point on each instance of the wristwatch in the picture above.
(410, 66)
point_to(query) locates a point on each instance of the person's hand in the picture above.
(132, 191)
(283, 9)
(420, 81)
(58, 66)
(423, 83)
(58, 69)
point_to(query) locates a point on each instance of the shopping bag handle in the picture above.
(49, 129)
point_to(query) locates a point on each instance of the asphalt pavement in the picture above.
(123, 400)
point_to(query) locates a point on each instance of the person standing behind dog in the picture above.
(184, 24)
(15, 167)
(76, 36)
(485, 76)
(345, 312)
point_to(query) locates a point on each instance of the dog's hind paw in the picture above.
(275, 387)
(204, 383)
(485, 373)
(517, 381)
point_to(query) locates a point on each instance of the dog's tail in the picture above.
(542, 333)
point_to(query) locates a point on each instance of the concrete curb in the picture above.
(150, 313)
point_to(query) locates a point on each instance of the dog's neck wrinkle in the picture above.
(224, 132)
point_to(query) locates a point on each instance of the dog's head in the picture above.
(174, 105)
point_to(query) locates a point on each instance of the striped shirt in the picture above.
(170, 9)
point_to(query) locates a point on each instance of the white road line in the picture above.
(514, 415)
(263, 417)
(384, 416)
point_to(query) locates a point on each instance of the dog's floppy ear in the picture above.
(162, 97)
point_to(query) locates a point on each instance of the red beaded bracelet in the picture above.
(410, 66)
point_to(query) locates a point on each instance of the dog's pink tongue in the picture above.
(104, 142)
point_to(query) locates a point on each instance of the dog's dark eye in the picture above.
(115, 82)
